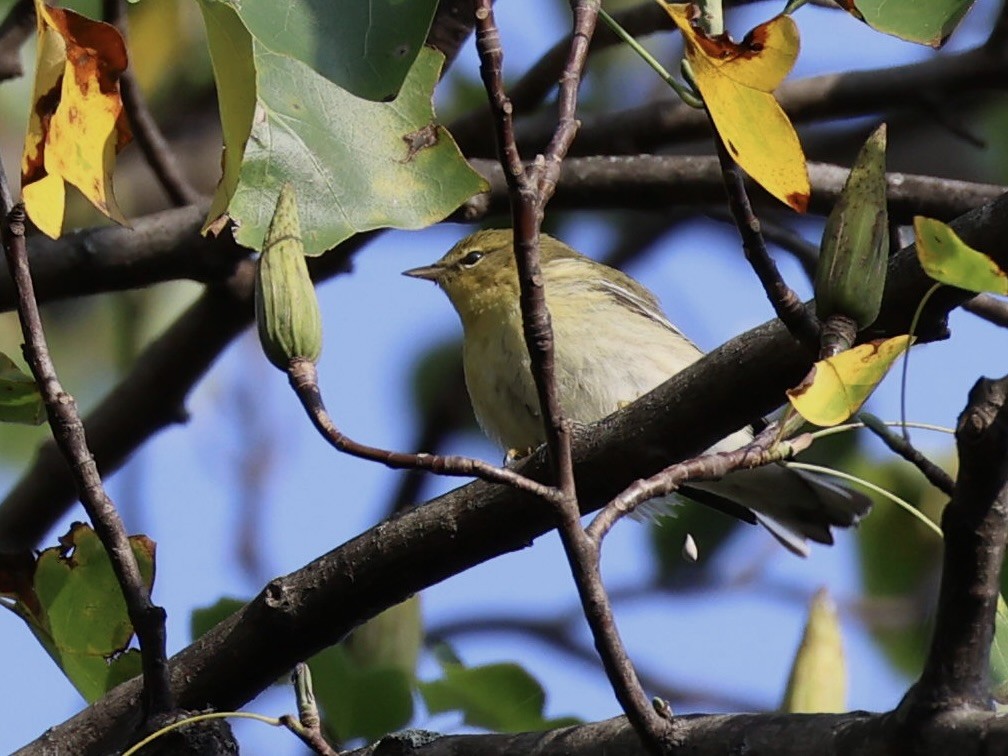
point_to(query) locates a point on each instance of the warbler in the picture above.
(612, 344)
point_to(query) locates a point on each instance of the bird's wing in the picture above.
(632, 295)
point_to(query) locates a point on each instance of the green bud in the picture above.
(287, 312)
(854, 252)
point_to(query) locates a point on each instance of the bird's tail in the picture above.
(794, 505)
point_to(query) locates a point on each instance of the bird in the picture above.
(612, 344)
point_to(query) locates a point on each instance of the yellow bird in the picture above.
(612, 345)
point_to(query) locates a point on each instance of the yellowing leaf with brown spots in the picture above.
(736, 80)
(76, 124)
(837, 387)
(948, 259)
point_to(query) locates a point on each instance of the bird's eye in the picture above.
(472, 258)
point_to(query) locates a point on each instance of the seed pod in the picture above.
(287, 312)
(854, 252)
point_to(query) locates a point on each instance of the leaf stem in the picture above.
(684, 93)
(902, 503)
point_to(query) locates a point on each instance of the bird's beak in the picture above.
(426, 272)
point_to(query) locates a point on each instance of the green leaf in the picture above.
(499, 697)
(999, 653)
(19, 397)
(818, 681)
(364, 47)
(357, 701)
(202, 620)
(358, 165)
(82, 620)
(949, 260)
(929, 22)
(234, 72)
(392, 639)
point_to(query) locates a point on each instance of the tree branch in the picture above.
(975, 524)
(964, 734)
(789, 308)
(148, 136)
(897, 443)
(658, 124)
(161, 247)
(148, 620)
(990, 308)
(303, 377)
(657, 182)
(15, 30)
(529, 190)
(296, 616)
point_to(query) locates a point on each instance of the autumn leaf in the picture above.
(76, 124)
(837, 387)
(948, 259)
(736, 80)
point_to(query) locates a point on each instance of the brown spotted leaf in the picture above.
(76, 124)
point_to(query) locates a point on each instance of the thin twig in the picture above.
(762, 450)
(789, 240)
(304, 379)
(308, 724)
(148, 136)
(148, 620)
(897, 443)
(529, 191)
(786, 303)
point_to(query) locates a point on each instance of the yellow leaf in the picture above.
(736, 80)
(76, 124)
(818, 681)
(948, 259)
(837, 387)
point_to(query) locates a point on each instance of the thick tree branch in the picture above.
(963, 734)
(990, 308)
(161, 247)
(452, 25)
(296, 616)
(166, 246)
(658, 182)
(975, 524)
(661, 123)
